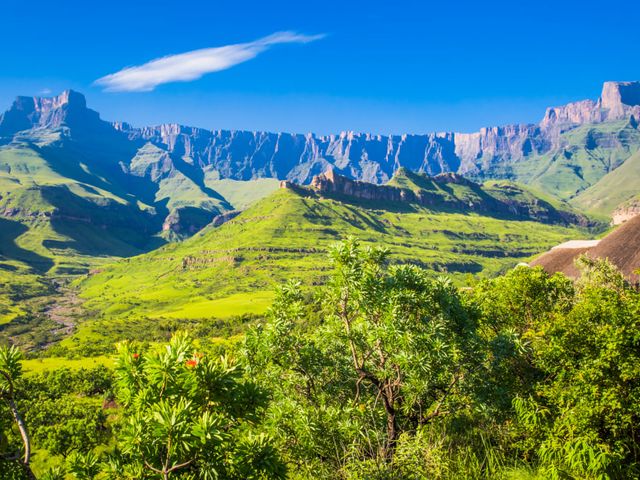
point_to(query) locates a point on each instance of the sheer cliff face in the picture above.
(67, 109)
(374, 158)
(244, 155)
(618, 100)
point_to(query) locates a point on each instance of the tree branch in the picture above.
(18, 418)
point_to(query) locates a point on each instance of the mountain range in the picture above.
(488, 153)
(132, 189)
(202, 223)
(570, 150)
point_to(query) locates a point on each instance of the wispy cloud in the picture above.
(192, 65)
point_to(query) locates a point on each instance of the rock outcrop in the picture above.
(626, 211)
(183, 222)
(224, 218)
(618, 100)
(67, 109)
(435, 192)
(331, 183)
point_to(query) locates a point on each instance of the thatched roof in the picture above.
(621, 247)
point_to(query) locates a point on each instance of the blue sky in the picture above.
(381, 67)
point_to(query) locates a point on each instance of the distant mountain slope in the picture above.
(568, 151)
(626, 210)
(233, 269)
(450, 192)
(613, 189)
(171, 172)
(82, 190)
(580, 158)
(77, 150)
(64, 217)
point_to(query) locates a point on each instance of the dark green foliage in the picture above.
(573, 369)
(390, 355)
(386, 372)
(392, 374)
(185, 414)
(64, 410)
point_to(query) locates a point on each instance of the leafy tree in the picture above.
(83, 466)
(187, 414)
(572, 371)
(588, 404)
(388, 354)
(62, 410)
(512, 307)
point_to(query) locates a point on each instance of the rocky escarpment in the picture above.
(618, 100)
(446, 191)
(331, 183)
(69, 109)
(626, 211)
(243, 155)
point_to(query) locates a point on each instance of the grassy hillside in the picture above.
(497, 198)
(587, 153)
(232, 269)
(613, 189)
(240, 194)
(62, 215)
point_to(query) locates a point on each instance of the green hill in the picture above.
(613, 189)
(232, 269)
(65, 211)
(585, 155)
(497, 198)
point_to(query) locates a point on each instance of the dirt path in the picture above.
(63, 311)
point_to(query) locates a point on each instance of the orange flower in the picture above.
(198, 355)
(191, 363)
(136, 356)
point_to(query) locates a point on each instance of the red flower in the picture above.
(191, 363)
(135, 356)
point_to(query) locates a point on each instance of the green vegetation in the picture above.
(241, 194)
(497, 198)
(417, 351)
(368, 361)
(613, 189)
(384, 372)
(64, 215)
(232, 269)
(184, 414)
(589, 153)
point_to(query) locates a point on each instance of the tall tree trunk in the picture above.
(392, 428)
(11, 402)
(22, 428)
(392, 436)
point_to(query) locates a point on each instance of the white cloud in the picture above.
(192, 65)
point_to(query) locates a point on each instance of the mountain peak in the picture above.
(69, 109)
(618, 100)
(43, 105)
(618, 97)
